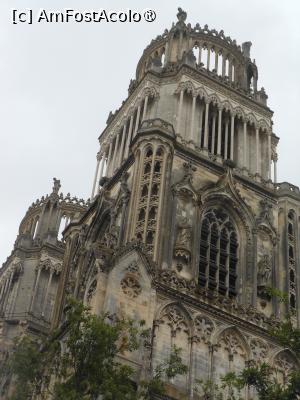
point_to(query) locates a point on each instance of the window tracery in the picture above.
(292, 261)
(218, 253)
(149, 197)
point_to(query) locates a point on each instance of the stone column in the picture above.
(154, 344)
(2, 291)
(226, 138)
(137, 120)
(6, 294)
(232, 137)
(102, 166)
(115, 153)
(122, 146)
(193, 360)
(128, 137)
(39, 270)
(108, 169)
(145, 108)
(245, 144)
(193, 117)
(224, 66)
(51, 271)
(275, 168)
(201, 123)
(199, 55)
(179, 111)
(257, 151)
(205, 146)
(219, 131)
(230, 70)
(96, 174)
(269, 175)
(208, 58)
(213, 139)
(216, 60)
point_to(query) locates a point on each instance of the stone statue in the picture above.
(56, 185)
(182, 247)
(264, 270)
(181, 15)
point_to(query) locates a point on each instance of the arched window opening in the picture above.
(149, 239)
(249, 78)
(152, 213)
(233, 73)
(292, 261)
(292, 276)
(227, 67)
(196, 52)
(147, 168)
(220, 63)
(149, 153)
(218, 253)
(291, 252)
(145, 191)
(142, 215)
(154, 190)
(291, 229)
(35, 228)
(62, 226)
(157, 167)
(212, 63)
(159, 152)
(204, 56)
(292, 301)
(162, 56)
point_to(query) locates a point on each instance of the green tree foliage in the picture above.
(261, 377)
(89, 368)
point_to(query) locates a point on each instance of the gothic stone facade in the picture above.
(188, 226)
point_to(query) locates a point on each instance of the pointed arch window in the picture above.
(218, 253)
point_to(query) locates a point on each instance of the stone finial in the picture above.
(246, 46)
(56, 186)
(181, 15)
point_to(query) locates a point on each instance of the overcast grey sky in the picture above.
(58, 83)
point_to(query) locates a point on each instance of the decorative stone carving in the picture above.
(131, 286)
(232, 344)
(133, 268)
(171, 278)
(204, 328)
(110, 238)
(259, 350)
(174, 317)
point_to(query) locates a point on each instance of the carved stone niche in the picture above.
(182, 248)
(185, 197)
(264, 266)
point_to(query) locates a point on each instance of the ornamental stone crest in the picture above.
(204, 328)
(131, 286)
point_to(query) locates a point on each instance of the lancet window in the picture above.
(292, 262)
(218, 253)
